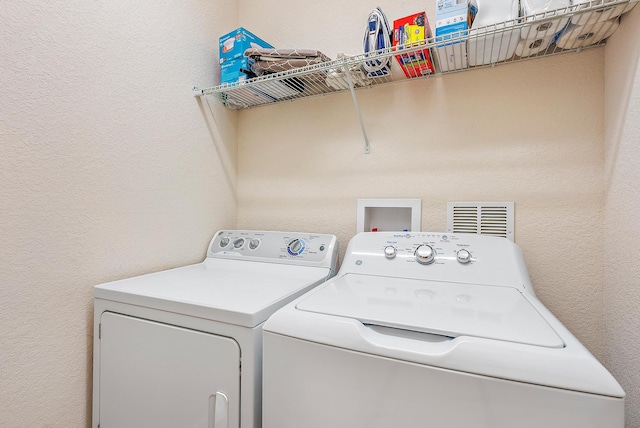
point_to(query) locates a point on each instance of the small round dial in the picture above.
(238, 243)
(254, 243)
(224, 242)
(296, 247)
(463, 256)
(390, 251)
(425, 254)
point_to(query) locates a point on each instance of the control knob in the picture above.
(254, 243)
(390, 251)
(463, 256)
(425, 254)
(296, 247)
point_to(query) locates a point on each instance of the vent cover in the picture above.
(482, 218)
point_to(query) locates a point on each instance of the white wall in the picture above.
(108, 168)
(529, 132)
(621, 208)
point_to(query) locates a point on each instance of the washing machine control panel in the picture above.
(438, 256)
(273, 246)
(425, 253)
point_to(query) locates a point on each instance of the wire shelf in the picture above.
(571, 29)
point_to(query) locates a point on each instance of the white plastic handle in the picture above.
(219, 410)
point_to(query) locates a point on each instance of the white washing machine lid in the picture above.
(237, 292)
(436, 307)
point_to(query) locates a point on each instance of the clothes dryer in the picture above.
(183, 347)
(430, 329)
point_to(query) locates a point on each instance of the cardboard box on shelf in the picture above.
(232, 59)
(453, 18)
(410, 31)
(232, 71)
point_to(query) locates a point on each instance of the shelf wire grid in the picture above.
(528, 37)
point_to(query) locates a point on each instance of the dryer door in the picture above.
(158, 375)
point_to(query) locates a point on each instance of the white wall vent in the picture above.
(483, 218)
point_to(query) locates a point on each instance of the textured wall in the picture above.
(531, 133)
(621, 207)
(108, 168)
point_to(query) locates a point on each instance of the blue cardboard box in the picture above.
(453, 18)
(231, 71)
(232, 47)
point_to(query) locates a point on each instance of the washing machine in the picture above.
(183, 347)
(430, 330)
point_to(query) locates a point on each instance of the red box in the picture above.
(411, 31)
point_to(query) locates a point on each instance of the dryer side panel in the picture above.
(158, 375)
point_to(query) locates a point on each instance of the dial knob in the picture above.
(463, 256)
(425, 254)
(296, 247)
(253, 244)
(390, 251)
(238, 243)
(224, 242)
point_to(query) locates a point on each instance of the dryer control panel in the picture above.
(455, 257)
(277, 247)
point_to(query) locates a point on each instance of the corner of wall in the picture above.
(620, 206)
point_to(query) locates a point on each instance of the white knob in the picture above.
(224, 242)
(390, 251)
(463, 256)
(238, 243)
(253, 244)
(425, 254)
